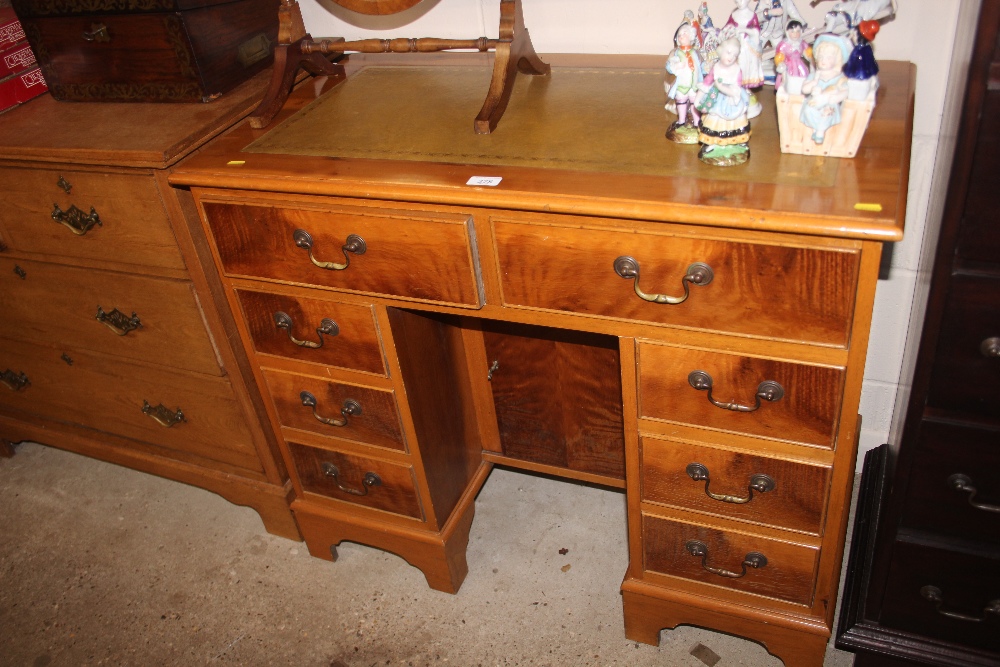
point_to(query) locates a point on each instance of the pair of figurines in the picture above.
(712, 108)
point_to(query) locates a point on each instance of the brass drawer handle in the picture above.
(76, 220)
(990, 348)
(370, 479)
(355, 244)
(14, 381)
(326, 326)
(98, 33)
(162, 415)
(351, 407)
(768, 390)
(697, 274)
(19, 272)
(934, 594)
(63, 184)
(759, 482)
(118, 321)
(964, 484)
(699, 549)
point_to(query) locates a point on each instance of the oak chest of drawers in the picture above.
(109, 345)
(694, 337)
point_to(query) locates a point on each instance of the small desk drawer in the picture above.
(737, 485)
(784, 570)
(157, 320)
(314, 330)
(782, 292)
(133, 227)
(702, 388)
(360, 480)
(348, 411)
(403, 254)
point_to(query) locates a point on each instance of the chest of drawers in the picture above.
(697, 340)
(108, 344)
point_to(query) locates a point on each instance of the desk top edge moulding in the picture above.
(401, 295)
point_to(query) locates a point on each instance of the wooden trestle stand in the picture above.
(296, 48)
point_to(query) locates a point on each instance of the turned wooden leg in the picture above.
(288, 58)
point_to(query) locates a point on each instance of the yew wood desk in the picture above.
(611, 311)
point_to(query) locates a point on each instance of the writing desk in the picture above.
(612, 311)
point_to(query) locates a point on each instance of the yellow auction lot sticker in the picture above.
(862, 206)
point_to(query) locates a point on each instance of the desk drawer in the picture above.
(108, 395)
(133, 228)
(692, 551)
(403, 254)
(788, 494)
(782, 292)
(806, 412)
(356, 479)
(157, 320)
(315, 330)
(338, 410)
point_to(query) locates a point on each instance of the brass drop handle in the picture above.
(990, 348)
(699, 549)
(163, 415)
(355, 244)
(14, 381)
(65, 185)
(326, 327)
(964, 484)
(76, 220)
(19, 272)
(350, 408)
(368, 481)
(697, 274)
(768, 390)
(759, 482)
(118, 321)
(934, 594)
(98, 33)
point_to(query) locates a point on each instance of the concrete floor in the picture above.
(100, 565)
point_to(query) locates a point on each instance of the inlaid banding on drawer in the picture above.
(370, 482)
(314, 330)
(133, 228)
(739, 485)
(742, 561)
(402, 254)
(348, 411)
(772, 291)
(672, 387)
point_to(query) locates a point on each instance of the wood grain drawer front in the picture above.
(136, 317)
(737, 485)
(314, 330)
(949, 595)
(133, 227)
(806, 412)
(783, 292)
(199, 417)
(357, 479)
(407, 255)
(954, 484)
(966, 373)
(725, 558)
(348, 411)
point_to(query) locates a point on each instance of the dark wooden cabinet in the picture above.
(923, 582)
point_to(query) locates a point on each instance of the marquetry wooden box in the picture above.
(148, 50)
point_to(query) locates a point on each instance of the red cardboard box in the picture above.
(15, 59)
(11, 31)
(19, 88)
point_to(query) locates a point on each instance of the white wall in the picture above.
(924, 32)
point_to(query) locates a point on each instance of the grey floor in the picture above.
(100, 565)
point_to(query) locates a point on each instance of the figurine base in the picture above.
(682, 133)
(724, 156)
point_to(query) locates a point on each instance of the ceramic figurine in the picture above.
(708, 38)
(773, 16)
(684, 63)
(743, 25)
(826, 88)
(725, 128)
(791, 57)
(861, 69)
(847, 14)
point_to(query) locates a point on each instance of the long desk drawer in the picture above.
(773, 291)
(128, 223)
(779, 400)
(136, 317)
(183, 412)
(396, 253)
